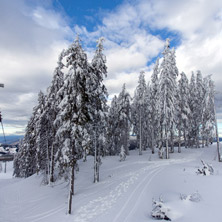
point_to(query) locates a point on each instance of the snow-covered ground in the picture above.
(124, 193)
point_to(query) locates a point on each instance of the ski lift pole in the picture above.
(3, 131)
(2, 86)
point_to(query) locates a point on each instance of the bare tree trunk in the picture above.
(218, 141)
(71, 192)
(5, 166)
(197, 139)
(84, 155)
(179, 142)
(171, 142)
(140, 148)
(185, 138)
(152, 141)
(52, 165)
(96, 164)
(202, 141)
(126, 140)
(167, 147)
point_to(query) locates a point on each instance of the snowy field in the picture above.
(124, 193)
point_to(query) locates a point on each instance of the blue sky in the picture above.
(33, 33)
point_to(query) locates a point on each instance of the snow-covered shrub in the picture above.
(195, 197)
(160, 211)
(206, 170)
(161, 152)
(122, 154)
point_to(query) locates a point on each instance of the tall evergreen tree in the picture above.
(154, 106)
(54, 97)
(138, 112)
(74, 113)
(182, 109)
(112, 127)
(168, 74)
(124, 119)
(98, 97)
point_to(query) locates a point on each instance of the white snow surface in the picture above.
(124, 193)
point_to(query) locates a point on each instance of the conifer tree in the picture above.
(154, 106)
(124, 119)
(73, 114)
(182, 110)
(112, 127)
(138, 112)
(167, 89)
(54, 97)
(97, 99)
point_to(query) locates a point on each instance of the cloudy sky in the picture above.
(33, 33)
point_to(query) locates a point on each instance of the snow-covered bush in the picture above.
(160, 211)
(206, 170)
(122, 154)
(161, 152)
(195, 197)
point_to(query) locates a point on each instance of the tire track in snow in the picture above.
(142, 192)
(135, 192)
(101, 204)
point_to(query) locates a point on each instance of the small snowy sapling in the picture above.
(122, 154)
(206, 170)
(194, 197)
(160, 211)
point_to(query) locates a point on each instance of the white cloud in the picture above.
(134, 33)
(32, 39)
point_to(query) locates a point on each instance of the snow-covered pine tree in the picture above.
(97, 99)
(73, 114)
(124, 119)
(148, 114)
(112, 127)
(25, 161)
(182, 109)
(199, 106)
(154, 106)
(41, 143)
(167, 89)
(192, 106)
(138, 112)
(54, 97)
(208, 117)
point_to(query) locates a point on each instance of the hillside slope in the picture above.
(124, 193)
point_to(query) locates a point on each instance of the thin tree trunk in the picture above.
(179, 142)
(140, 148)
(202, 141)
(185, 138)
(167, 147)
(197, 139)
(52, 165)
(96, 167)
(171, 142)
(71, 192)
(218, 141)
(5, 166)
(152, 141)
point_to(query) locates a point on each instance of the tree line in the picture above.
(72, 120)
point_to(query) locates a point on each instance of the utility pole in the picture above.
(2, 86)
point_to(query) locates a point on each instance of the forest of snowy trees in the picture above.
(72, 120)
